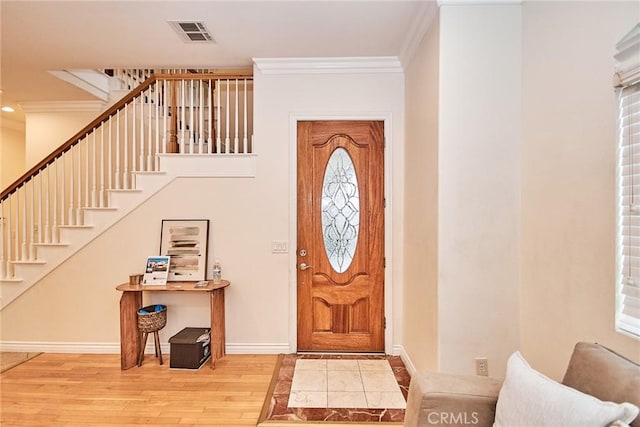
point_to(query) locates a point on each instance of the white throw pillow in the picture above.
(528, 398)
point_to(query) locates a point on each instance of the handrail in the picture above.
(111, 111)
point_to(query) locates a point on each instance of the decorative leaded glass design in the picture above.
(340, 210)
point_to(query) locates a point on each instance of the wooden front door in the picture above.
(340, 248)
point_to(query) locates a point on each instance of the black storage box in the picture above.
(190, 348)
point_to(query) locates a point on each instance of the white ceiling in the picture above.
(37, 36)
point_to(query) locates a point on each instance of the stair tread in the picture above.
(52, 244)
(100, 208)
(35, 262)
(12, 280)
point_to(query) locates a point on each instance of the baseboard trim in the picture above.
(411, 368)
(267, 348)
(114, 348)
(61, 347)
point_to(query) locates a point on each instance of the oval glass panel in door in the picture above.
(340, 210)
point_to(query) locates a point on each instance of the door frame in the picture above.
(293, 214)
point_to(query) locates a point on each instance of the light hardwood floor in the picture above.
(91, 390)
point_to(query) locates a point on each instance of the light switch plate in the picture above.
(279, 247)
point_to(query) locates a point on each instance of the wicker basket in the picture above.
(153, 320)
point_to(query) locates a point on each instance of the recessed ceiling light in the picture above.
(8, 109)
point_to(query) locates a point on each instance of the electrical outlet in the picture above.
(482, 366)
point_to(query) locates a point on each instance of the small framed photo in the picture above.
(156, 271)
(185, 242)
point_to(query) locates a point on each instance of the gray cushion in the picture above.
(600, 372)
(440, 399)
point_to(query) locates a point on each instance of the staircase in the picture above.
(170, 126)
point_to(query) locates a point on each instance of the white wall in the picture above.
(51, 124)
(78, 304)
(420, 320)
(568, 181)
(12, 151)
(479, 185)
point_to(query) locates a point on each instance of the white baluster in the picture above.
(134, 136)
(30, 216)
(226, 139)
(94, 182)
(192, 133)
(218, 123)
(149, 132)
(84, 183)
(183, 116)
(236, 137)
(55, 237)
(87, 178)
(41, 196)
(79, 218)
(63, 185)
(25, 225)
(156, 165)
(109, 165)
(142, 140)
(102, 167)
(245, 142)
(72, 194)
(117, 183)
(209, 134)
(200, 84)
(47, 204)
(125, 160)
(10, 240)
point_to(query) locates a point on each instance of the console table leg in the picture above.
(130, 302)
(217, 326)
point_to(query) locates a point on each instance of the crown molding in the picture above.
(423, 20)
(62, 106)
(347, 65)
(478, 2)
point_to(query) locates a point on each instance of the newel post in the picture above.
(173, 124)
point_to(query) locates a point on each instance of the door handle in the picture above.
(304, 266)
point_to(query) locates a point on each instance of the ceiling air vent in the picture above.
(193, 31)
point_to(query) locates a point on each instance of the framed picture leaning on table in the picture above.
(186, 242)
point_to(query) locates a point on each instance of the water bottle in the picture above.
(217, 272)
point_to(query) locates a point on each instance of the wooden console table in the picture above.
(131, 301)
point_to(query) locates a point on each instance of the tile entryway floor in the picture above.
(344, 384)
(351, 388)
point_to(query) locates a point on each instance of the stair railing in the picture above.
(195, 114)
(132, 78)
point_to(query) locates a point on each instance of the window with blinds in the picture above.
(628, 292)
(627, 80)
